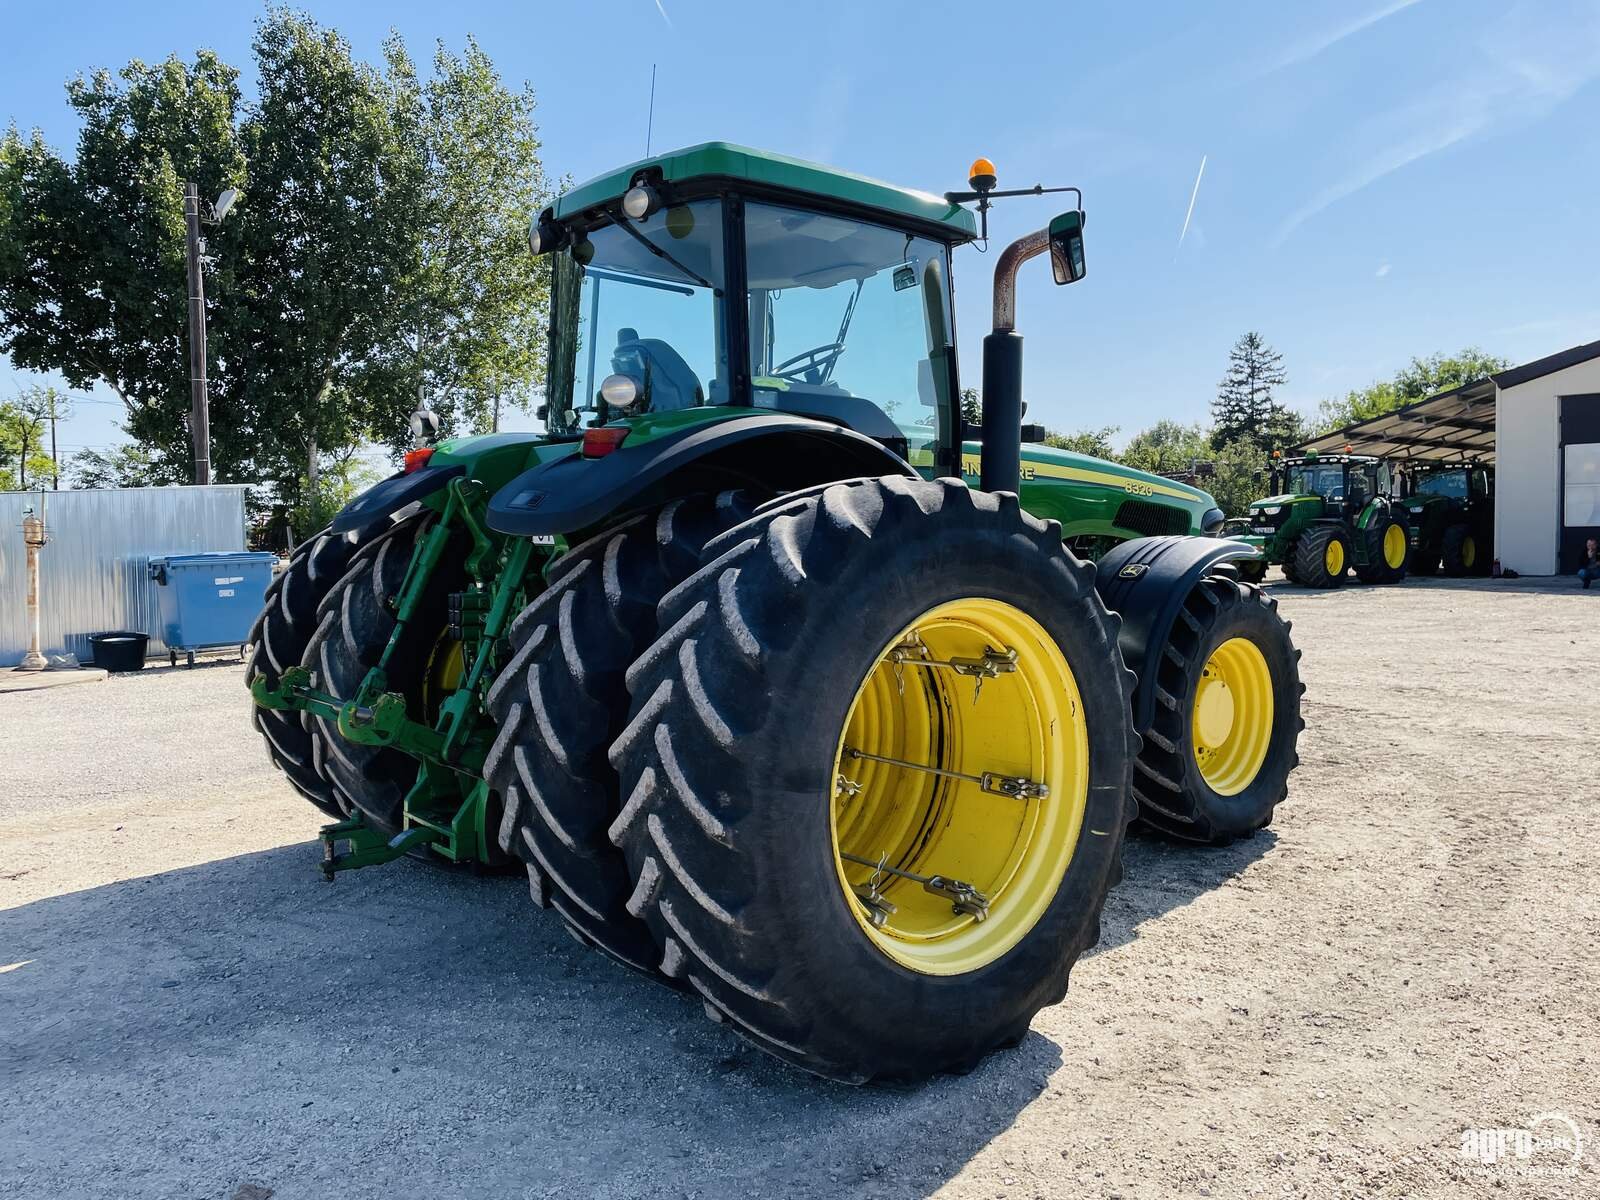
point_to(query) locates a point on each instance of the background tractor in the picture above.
(1331, 513)
(1449, 510)
(805, 710)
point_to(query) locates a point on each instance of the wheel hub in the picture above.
(1213, 710)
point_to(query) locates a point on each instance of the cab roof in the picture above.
(778, 173)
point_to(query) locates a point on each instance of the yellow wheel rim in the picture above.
(447, 667)
(1333, 557)
(1026, 723)
(1469, 551)
(1231, 724)
(1394, 546)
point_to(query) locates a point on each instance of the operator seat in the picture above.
(669, 381)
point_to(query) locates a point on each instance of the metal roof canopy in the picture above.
(1454, 426)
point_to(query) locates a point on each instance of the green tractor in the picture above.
(808, 712)
(1449, 509)
(1329, 513)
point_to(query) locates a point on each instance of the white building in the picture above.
(1538, 425)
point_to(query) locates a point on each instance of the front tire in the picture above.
(741, 763)
(1386, 547)
(1215, 763)
(1321, 556)
(1461, 551)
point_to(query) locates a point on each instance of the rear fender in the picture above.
(767, 451)
(1146, 581)
(394, 493)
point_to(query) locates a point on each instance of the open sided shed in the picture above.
(1537, 424)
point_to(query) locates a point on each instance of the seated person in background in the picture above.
(666, 380)
(1589, 563)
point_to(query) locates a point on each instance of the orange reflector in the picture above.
(597, 443)
(418, 458)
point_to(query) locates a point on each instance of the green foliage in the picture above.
(1095, 442)
(126, 466)
(25, 460)
(1245, 406)
(374, 259)
(971, 407)
(1240, 475)
(335, 486)
(1168, 447)
(1421, 378)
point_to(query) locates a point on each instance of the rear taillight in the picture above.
(416, 459)
(597, 443)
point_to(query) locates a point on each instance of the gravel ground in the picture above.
(1408, 954)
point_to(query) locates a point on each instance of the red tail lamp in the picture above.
(597, 443)
(416, 459)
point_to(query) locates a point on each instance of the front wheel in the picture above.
(876, 776)
(1321, 556)
(1386, 546)
(1460, 551)
(1215, 763)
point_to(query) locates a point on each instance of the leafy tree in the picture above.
(376, 256)
(24, 438)
(1167, 446)
(971, 407)
(1240, 474)
(1245, 406)
(1421, 378)
(1095, 442)
(126, 466)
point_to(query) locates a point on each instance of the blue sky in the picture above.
(1382, 178)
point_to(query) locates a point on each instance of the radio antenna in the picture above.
(650, 124)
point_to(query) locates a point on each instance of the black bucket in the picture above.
(119, 650)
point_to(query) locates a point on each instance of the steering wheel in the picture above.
(809, 366)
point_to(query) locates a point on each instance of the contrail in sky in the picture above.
(1192, 196)
(662, 9)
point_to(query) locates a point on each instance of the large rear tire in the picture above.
(1321, 556)
(1215, 764)
(278, 640)
(746, 788)
(561, 700)
(354, 624)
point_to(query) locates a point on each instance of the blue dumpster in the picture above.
(209, 600)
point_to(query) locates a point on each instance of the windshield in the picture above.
(648, 305)
(1443, 483)
(1326, 481)
(842, 310)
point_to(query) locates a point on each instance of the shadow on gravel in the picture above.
(1159, 875)
(411, 1031)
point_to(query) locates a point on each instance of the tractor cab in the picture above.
(722, 278)
(1341, 482)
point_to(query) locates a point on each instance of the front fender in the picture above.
(768, 451)
(1145, 581)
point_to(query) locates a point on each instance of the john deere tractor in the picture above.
(1449, 509)
(1331, 513)
(806, 711)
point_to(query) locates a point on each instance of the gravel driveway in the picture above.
(1409, 954)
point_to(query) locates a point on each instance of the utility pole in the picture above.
(200, 399)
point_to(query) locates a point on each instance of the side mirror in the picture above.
(1066, 247)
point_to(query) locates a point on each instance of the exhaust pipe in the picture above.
(1001, 469)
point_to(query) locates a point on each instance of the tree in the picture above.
(1167, 446)
(1245, 406)
(1094, 442)
(1421, 378)
(1239, 475)
(971, 407)
(23, 438)
(126, 466)
(376, 257)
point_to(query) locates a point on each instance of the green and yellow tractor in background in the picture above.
(807, 711)
(1449, 511)
(1329, 513)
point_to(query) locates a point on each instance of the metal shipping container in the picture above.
(93, 575)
